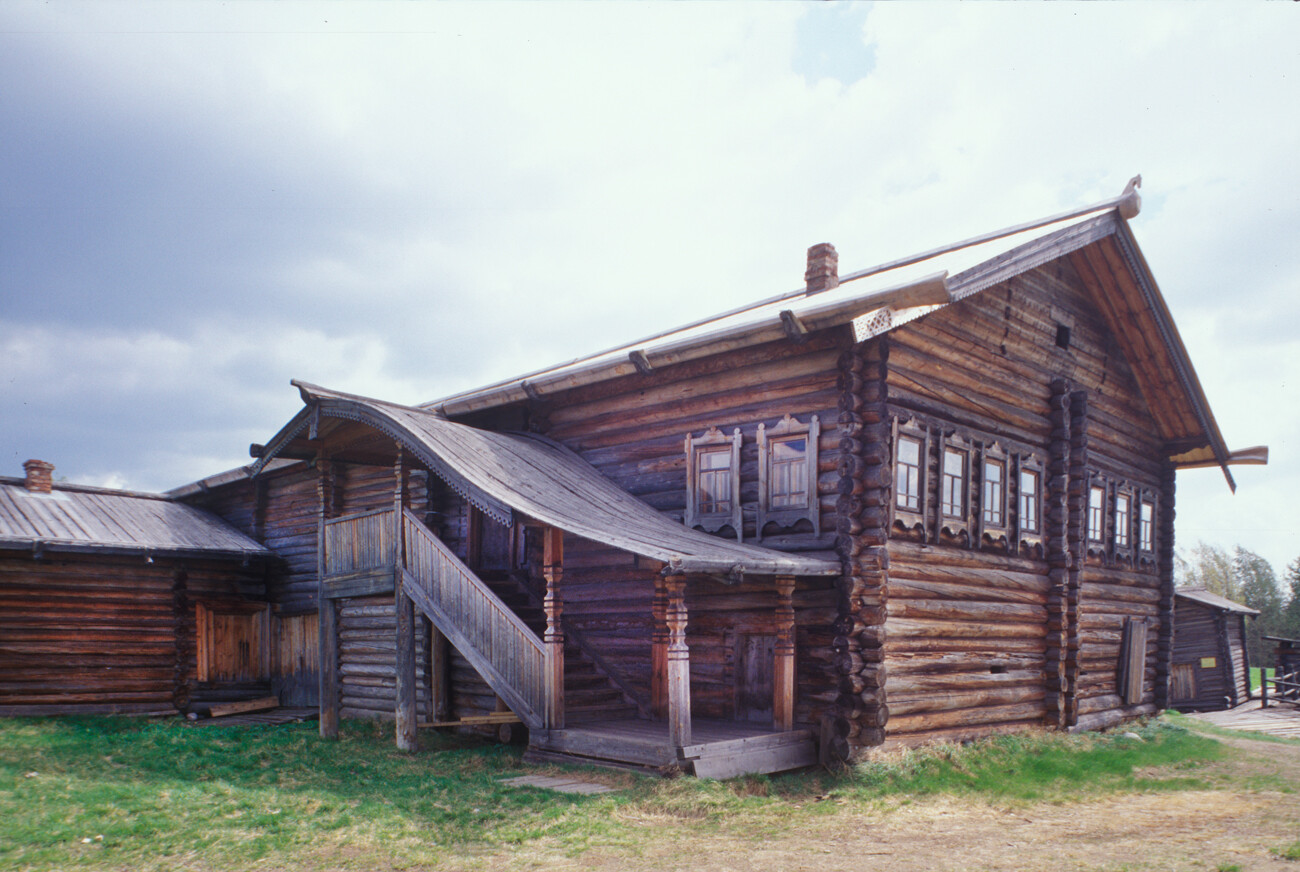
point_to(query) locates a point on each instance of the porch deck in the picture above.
(1277, 720)
(718, 748)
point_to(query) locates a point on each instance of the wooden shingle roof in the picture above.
(101, 520)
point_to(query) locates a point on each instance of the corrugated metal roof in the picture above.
(78, 518)
(1203, 596)
(502, 473)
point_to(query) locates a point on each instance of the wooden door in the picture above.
(1183, 682)
(755, 659)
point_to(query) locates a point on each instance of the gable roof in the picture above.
(1100, 246)
(1213, 600)
(106, 521)
(504, 473)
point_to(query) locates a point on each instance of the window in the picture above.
(1147, 526)
(1096, 513)
(994, 495)
(907, 474)
(713, 483)
(1028, 501)
(787, 474)
(1122, 520)
(952, 487)
(788, 479)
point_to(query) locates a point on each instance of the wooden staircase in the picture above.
(498, 625)
(590, 693)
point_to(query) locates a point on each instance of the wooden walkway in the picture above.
(718, 748)
(1279, 719)
(274, 717)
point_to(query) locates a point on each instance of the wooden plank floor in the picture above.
(1279, 719)
(274, 717)
(719, 748)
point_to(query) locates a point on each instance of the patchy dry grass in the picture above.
(119, 794)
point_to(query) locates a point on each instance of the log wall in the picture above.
(633, 430)
(99, 634)
(991, 368)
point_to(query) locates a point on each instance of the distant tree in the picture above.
(1291, 625)
(1259, 590)
(1210, 567)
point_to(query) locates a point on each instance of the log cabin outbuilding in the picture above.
(1210, 670)
(930, 499)
(125, 603)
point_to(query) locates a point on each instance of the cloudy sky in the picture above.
(199, 202)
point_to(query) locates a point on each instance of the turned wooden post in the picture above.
(553, 570)
(407, 722)
(327, 613)
(659, 650)
(679, 665)
(783, 667)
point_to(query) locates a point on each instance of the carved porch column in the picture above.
(679, 665)
(553, 571)
(783, 668)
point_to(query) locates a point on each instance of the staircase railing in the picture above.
(500, 647)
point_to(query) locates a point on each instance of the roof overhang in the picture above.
(506, 475)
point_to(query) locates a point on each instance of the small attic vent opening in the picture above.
(998, 669)
(1062, 335)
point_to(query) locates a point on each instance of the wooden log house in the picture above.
(1210, 670)
(931, 499)
(126, 603)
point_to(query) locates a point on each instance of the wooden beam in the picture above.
(328, 619)
(795, 330)
(247, 705)
(783, 667)
(407, 731)
(553, 570)
(640, 361)
(678, 666)
(659, 650)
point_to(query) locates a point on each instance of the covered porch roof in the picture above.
(507, 473)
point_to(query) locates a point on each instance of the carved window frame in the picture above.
(713, 441)
(994, 532)
(955, 525)
(788, 429)
(912, 518)
(1122, 527)
(1147, 533)
(1025, 536)
(1100, 513)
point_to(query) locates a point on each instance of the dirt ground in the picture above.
(1232, 828)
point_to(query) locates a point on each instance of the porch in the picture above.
(524, 652)
(717, 749)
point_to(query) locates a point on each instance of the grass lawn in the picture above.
(103, 793)
(1255, 680)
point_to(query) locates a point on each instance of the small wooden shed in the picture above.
(1210, 670)
(120, 602)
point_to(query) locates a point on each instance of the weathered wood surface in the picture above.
(262, 703)
(98, 634)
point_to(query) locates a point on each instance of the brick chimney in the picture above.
(40, 476)
(823, 271)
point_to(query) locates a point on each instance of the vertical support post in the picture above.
(327, 611)
(407, 729)
(679, 665)
(659, 650)
(783, 668)
(439, 684)
(553, 571)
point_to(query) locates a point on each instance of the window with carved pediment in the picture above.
(713, 481)
(787, 487)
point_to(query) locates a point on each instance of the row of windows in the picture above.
(1120, 517)
(787, 477)
(954, 491)
(1121, 529)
